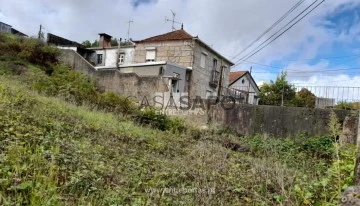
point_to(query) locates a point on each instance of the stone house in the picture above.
(207, 70)
(190, 65)
(243, 87)
(105, 57)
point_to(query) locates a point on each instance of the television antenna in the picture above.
(172, 20)
(128, 33)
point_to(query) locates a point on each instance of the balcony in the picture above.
(215, 78)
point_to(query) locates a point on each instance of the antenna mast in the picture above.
(128, 33)
(173, 20)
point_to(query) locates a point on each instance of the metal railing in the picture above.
(331, 95)
(215, 77)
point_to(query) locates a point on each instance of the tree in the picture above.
(95, 44)
(86, 43)
(114, 42)
(305, 98)
(274, 93)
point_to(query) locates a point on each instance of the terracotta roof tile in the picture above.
(235, 75)
(174, 35)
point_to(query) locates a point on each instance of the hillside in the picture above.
(63, 141)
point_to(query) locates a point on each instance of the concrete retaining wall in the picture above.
(282, 121)
(112, 80)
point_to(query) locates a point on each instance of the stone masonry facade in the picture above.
(188, 54)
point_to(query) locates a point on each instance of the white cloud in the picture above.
(227, 25)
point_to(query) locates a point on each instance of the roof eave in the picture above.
(247, 72)
(151, 41)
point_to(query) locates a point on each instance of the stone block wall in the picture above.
(201, 77)
(179, 52)
(188, 54)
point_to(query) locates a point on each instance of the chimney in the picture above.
(105, 40)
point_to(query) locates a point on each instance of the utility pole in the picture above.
(282, 95)
(128, 33)
(248, 94)
(220, 81)
(118, 56)
(40, 32)
(173, 20)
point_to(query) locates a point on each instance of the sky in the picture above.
(323, 49)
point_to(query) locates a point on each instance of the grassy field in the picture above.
(64, 142)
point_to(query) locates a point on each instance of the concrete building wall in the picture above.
(179, 52)
(171, 69)
(110, 56)
(275, 121)
(151, 70)
(112, 80)
(159, 69)
(67, 47)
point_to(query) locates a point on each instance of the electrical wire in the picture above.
(287, 29)
(270, 28)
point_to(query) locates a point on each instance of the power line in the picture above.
(270, 28)
(309, 71)
(262, 47)
(269, 66)
(292, 20)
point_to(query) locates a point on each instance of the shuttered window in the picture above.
(150, 55)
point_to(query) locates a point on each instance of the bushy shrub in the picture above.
(319, 146)
(158, 120)
(112, 102)
(152, 118)
(67, 83)
(28, 49)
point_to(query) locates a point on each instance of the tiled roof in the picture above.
(174, 35)
(235, 75)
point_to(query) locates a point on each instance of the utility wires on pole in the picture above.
(282, 30)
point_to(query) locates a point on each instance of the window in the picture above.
(150, 55)
(243, 81)
(122, 58)
(203, 60)
(99, 58)
(215, 64)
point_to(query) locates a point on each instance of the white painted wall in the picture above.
(67, 47)
(110, 56)
(243, 84)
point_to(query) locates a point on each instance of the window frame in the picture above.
(203, 58)
(99, 57)
(153, 49)
(122, 58)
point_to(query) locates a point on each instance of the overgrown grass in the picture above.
(64, 142)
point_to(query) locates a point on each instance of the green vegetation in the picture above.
(274, 93)
(348, 105)
(65, 142)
